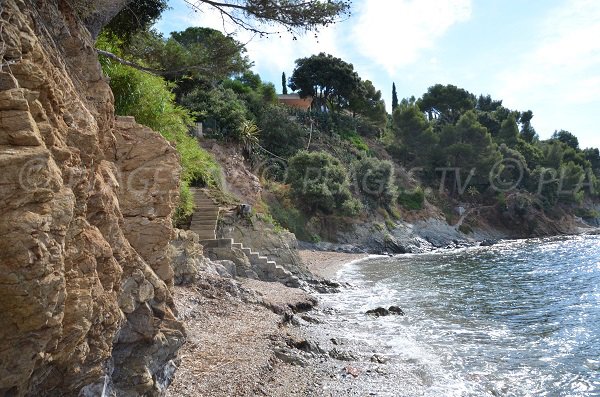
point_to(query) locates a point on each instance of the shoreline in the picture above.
(255, 338)
(327, 264)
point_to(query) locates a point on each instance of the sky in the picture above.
(539, 55)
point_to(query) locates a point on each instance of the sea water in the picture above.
(521, 318)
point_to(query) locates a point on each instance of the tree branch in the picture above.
(156, 72)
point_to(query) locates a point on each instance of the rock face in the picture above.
(86, 204)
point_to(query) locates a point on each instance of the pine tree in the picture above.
(394, 97)
(284, 90)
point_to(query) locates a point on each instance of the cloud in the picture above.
(394, 33)
(566, 59)
(560, 74)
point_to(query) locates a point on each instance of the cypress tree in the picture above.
(394, 97)
(284, 90)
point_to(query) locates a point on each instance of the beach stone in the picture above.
(379, 312)
(396, 310)
(342, 355)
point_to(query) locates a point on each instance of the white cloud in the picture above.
(393, 33)
(561, 72)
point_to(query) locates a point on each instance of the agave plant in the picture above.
(249, 136)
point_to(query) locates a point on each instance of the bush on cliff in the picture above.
(149, 99)
(319, 181)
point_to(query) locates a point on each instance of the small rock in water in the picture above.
(380, 311)
(396, 310)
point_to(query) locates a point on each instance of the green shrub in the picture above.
(587, 213)
(149, 99)
(374, 178)
(356, 140)
(319, 181)
(412, 200)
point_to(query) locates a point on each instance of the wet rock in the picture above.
(291, 357)
(379, 359)
(310, 319)
(396, 310)
(342, 355)
(309, 347)
(488, 243)
(382, 311)
(379, 312)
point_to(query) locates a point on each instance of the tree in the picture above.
(319, 181)
(135, 17)
(284, 90)
(192, 56)
(468, 145)
(593, 156)
(527, 131)
(296, 16)
(509, 132)
(367, 102)
(567, 138)
(220, 109)
(487, 104)
(280, 135)
(394, 97)
(330, 81)
(446, 103)
(414, 133)
(375, 178)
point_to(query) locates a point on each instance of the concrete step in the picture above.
(237, 245)
(217, 243)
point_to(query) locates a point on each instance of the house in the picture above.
(294, 101)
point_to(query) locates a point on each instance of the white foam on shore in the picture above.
(348, 265)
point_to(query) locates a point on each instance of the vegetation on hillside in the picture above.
(346, 157)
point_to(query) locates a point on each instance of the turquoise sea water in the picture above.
(521, 318)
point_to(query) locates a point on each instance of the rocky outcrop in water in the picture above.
(86, 203)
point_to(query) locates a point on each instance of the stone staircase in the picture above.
(204, 223)
(205, 217)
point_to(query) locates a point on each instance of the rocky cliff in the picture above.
(85, 204)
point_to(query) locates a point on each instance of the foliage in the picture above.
(567, 138)
(527, 131)
(220, 109)
(296, 16)
(148, 98)
(319, 181)
(394, 97)
(135, 17)
(509, 132)
(446, 103)
(469, 146)
(281, 134)
(248, 136)
(375, 178)
(367, 102)
(193, 57)
(413, 133)
(412, 200)
(357, 141)
(330, 81)
(284, 88)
